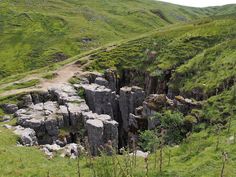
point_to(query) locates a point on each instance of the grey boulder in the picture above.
(9, 108)
(27, 136)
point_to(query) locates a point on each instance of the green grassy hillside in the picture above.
(38, 33)
(195, 59)
(193, 53)
(195, 157)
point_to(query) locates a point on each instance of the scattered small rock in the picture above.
(47, 152)
(9, 108)
(231, 140)
(6, 118)
(139, 153)
(7, 126)
(27, 136)
(52, 148)
(71, 150)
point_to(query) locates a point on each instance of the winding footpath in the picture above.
(62, 76)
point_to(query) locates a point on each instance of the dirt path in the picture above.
(62, 76)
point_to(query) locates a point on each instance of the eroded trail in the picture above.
(62, 76)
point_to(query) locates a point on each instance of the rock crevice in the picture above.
(99, 107)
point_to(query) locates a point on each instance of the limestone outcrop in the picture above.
(67, 110)
(101, 129)
(130, 98)
(95, 108)
(101, 81)
(157, 103)
(64, 93)
(9, 108)
(27, 136)
(43, 118)
(112, 77)
(99, 99)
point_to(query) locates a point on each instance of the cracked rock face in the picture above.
(95, 135)
(43, 118)
(103, 100)
(101, 81)
(64, 93)
(99, 99)
(48, 118)
(25, 101)
(10, 108)
(75, 113)
(101, 129)
(130, 99)
(111, 77)
(67, 110)
(111, 133)
(93, 108)
(156, 102)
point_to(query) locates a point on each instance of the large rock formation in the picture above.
(43, 118)
(93, 107)
(130, 98)
(101, 129)
(157, 103)
(95, 135)
(99, 99)
(64, 93)
(68, 111)
(101, 81)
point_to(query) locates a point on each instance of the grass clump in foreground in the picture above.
(196, 156)
(49, 76)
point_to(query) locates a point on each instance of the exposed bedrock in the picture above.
(43, 118)
(100, 131)
(99, 107)
(64, 93)
(9, 108)
(112, 77)
(105, 97)
(150, 83)
(67, 111)
(101, 81)
(27, 136)
(130, 99)
(157, 102)
(99, 99)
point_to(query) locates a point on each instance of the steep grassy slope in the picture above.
(222, 10)
(196, 60)
(196, 51)
(38, 33)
